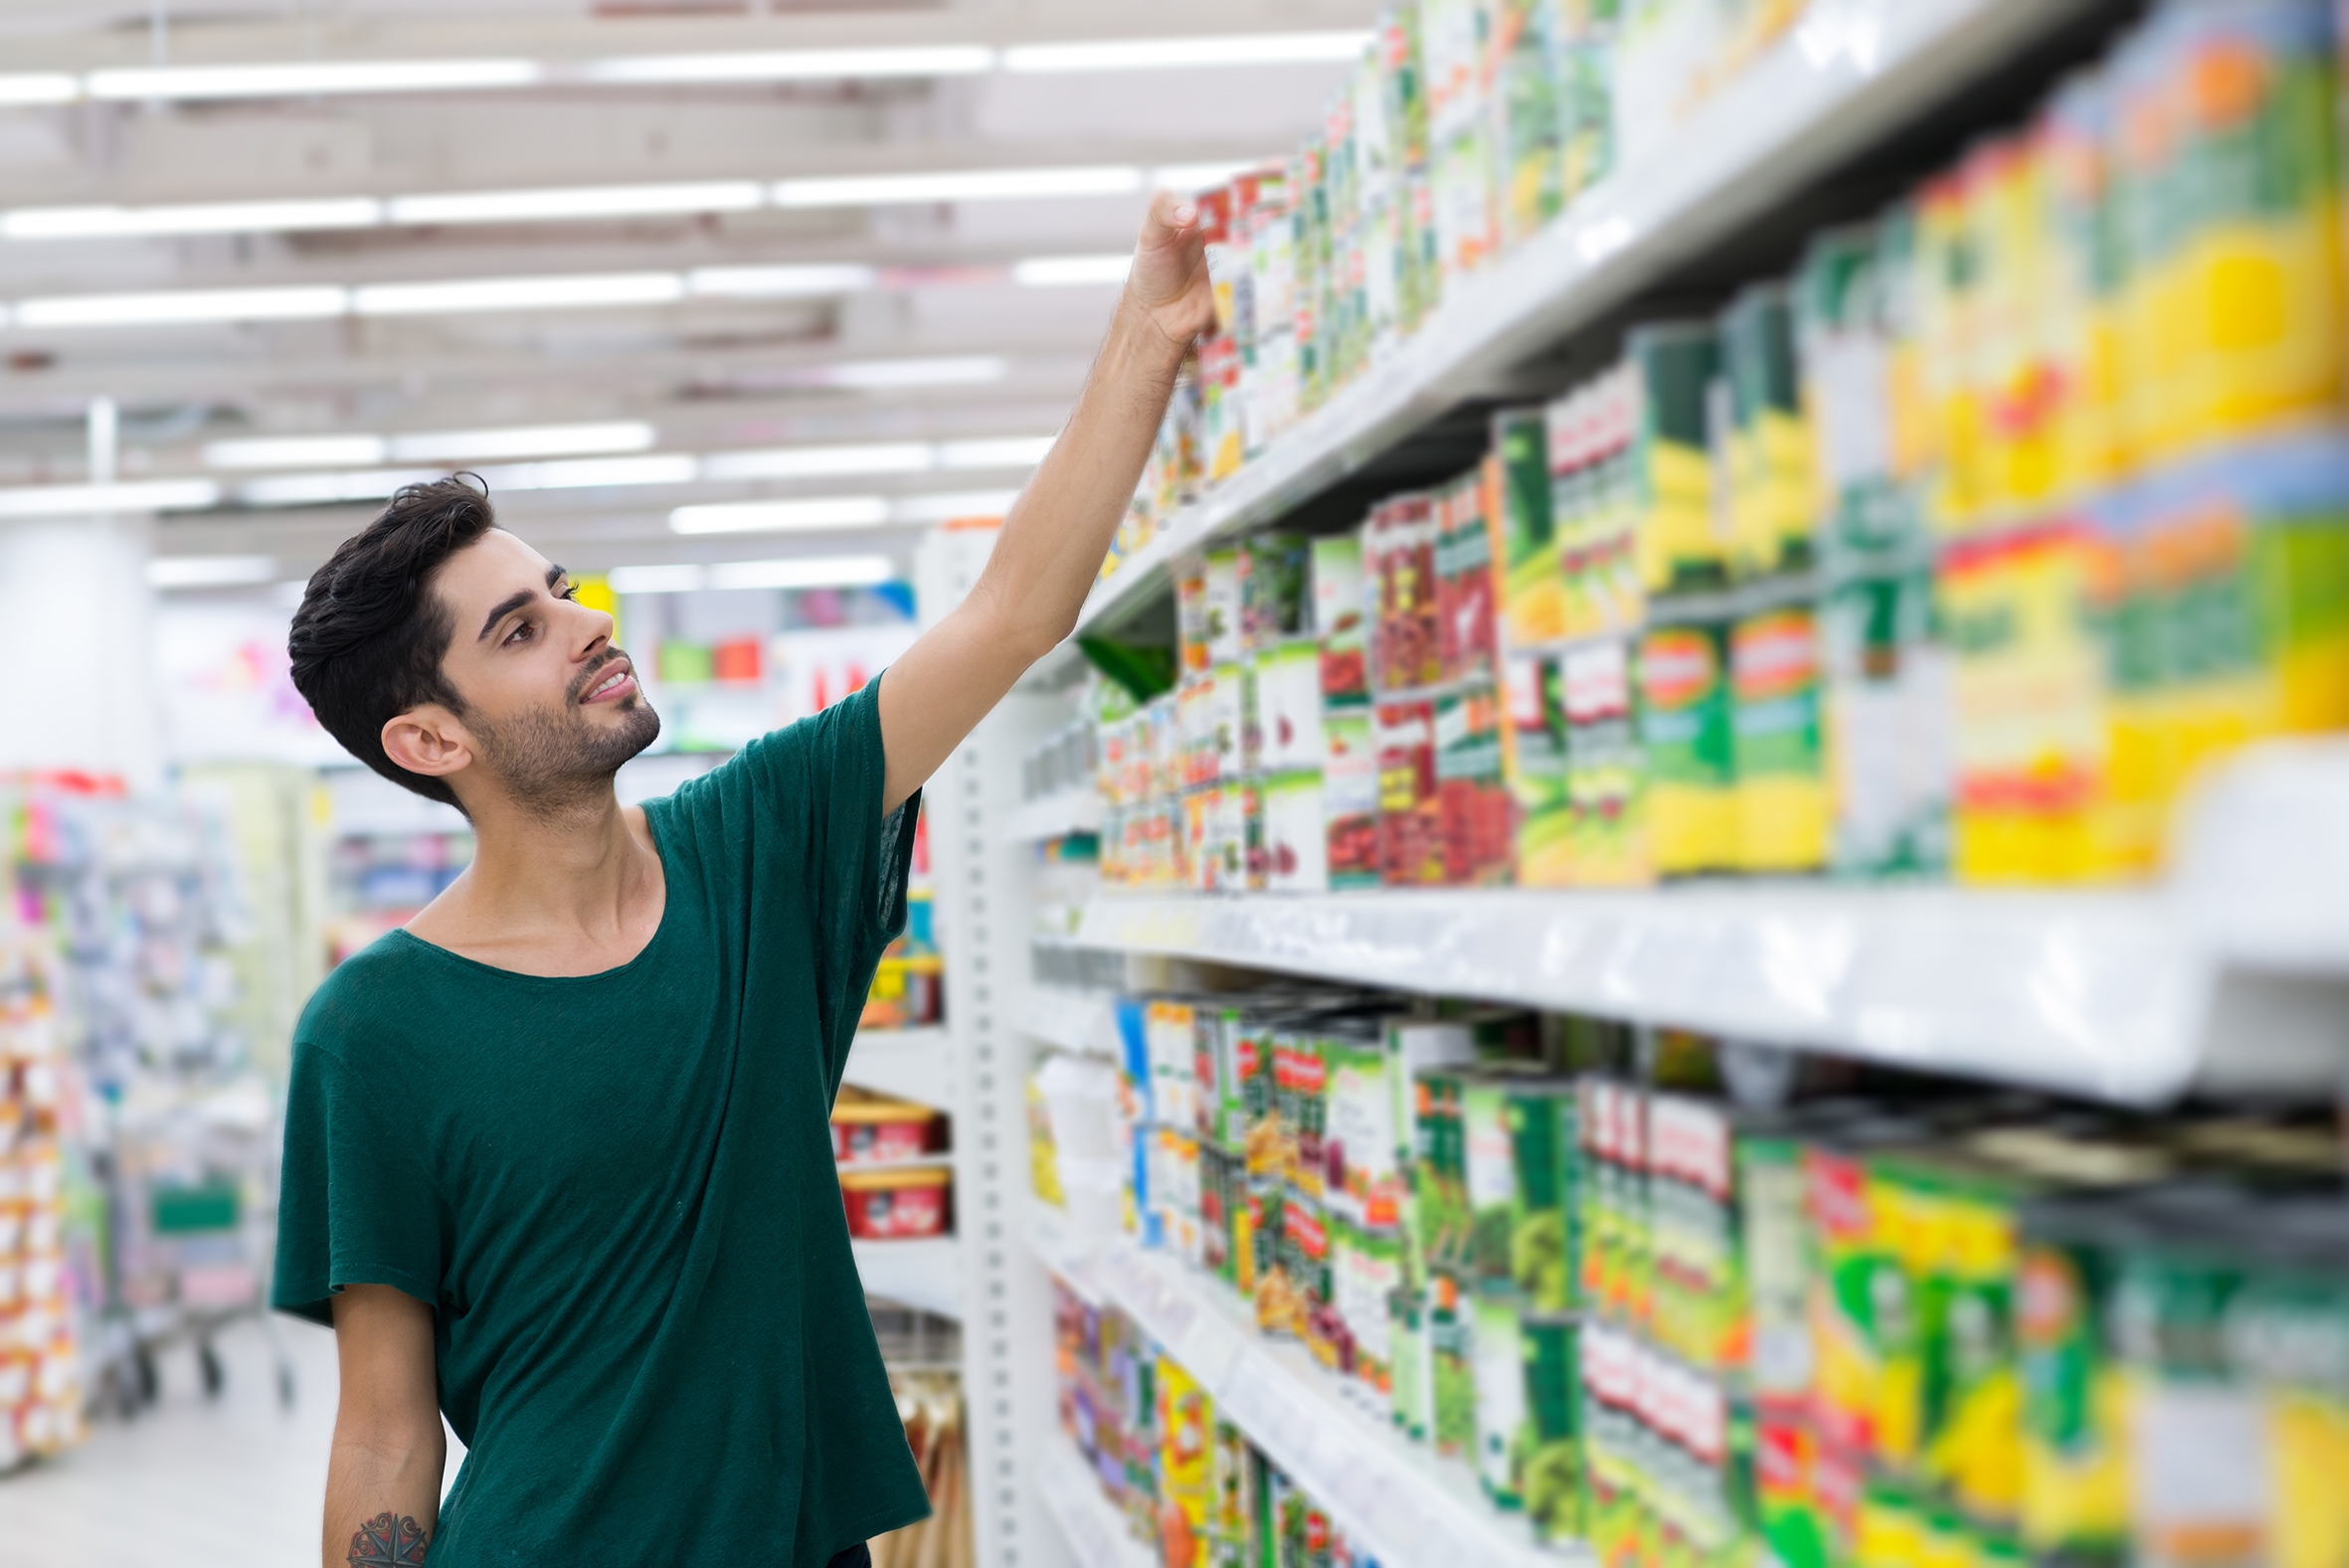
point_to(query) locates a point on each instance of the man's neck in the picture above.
(575, 891)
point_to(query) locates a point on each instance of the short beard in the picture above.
(554, 763)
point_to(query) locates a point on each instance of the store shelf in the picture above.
(1096, 1531)
(2265, 868)
(910, 1063)
(1404, 1507)
(1058, 815)
(1074, 1020)
(1850, 74)
(926, 1272)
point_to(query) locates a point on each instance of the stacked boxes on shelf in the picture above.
(41, 1399)
(1468, 126)
(1879, 1321)
(1960, 553)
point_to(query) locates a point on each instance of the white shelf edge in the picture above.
(1083, 1022)
(1056, 816)
(1408, 1509)
(924, 1272)
(908, 1064)
(1845, 75)
(1094, 1530)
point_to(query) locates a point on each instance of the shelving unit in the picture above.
(910, 1063)
(1056, 816)
(1408, 1509)
(1852, 74)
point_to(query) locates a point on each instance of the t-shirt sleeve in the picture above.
(354, 1204)
(820, 785)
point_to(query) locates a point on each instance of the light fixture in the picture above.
(805, 572)
(265, 217)
(169, 572)
(675, 579)
(183, 306)
(1162, 54)
(295, 452)
(782, 282)
(522, 441)
(809, 463)
(327, 490)
(38, 87)
(887, 375)
(86, 500)
(967, 185)
(1060, 271)
(594, 473)
(946, 505)
(796, 65)
(313, 79)
(1189, 178)
(585, 201)
(757, 517)
(572, 291)
(1018, 452)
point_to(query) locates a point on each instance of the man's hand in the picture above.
(1169, 285)
(1050, 550)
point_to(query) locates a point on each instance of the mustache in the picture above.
(593, 673)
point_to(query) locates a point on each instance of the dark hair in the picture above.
(367, 641)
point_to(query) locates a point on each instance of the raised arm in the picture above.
(383, 1477)
(1050, 549)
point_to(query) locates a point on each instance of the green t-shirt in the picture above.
(618, 1193)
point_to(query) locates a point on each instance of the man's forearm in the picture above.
(383, 1500)
(1050, 550)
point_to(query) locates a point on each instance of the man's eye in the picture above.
(520, 634)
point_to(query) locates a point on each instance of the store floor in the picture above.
(239, 1478)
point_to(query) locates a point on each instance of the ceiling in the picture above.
(762, 310)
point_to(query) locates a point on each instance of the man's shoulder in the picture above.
(371, 993)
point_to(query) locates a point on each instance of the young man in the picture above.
(557, 1154)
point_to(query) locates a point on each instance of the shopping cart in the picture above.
(192, 1209)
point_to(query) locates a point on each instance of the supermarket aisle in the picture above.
(233, 1480)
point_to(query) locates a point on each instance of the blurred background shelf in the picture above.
(926, 1272)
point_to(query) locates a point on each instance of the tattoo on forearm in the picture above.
(386, 1543)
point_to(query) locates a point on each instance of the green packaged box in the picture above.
(1442, 1219)
(1519, 1128)
(1499, 1372)
(1550, 1444)
(1679, 549)
(1771, 490)
(1688, 741)
(1451, 1336)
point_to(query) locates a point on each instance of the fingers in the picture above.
(1172, 219)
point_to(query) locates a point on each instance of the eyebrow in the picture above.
(513, 601)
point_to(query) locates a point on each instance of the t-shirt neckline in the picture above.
(668, 904)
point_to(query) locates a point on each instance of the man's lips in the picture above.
(617, 680)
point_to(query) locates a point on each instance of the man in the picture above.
(557, 1154)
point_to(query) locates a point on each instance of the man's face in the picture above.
(552, 707)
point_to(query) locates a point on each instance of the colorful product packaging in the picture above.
(1476, 812)
(1351, 793)
(1608, 831)
(1340, 621)
(1687, 736)
(1410, 808)
(1784, 811)
(1535, 763)
(1533, 594)
(1679, 549)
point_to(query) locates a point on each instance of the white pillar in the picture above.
(77, 638)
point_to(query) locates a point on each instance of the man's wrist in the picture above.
(1134, 333)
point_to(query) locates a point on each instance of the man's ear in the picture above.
(427, 739)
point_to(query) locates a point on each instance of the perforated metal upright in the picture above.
(980, 876)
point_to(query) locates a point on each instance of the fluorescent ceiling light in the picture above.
(109, 223)
(1059, 272)
(947, 505)
(209, 571)
(1021, 452)
(881, 375)
(594, 473)
(760, 517)
(39, 86)
(522, 441)
(797, 65)
(805, 572)
(679, 578)
(1193, 177)
(85, 501)
(518, 293)
(295, 452)
(968, 185)
(191, 304)
(808, 462)
(311, 79)
(782, 282)
(1159, 54)
(326, 489)
(586, 201)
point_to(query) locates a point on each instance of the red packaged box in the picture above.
(897, 1205)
